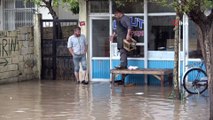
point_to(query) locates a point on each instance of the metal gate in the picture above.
(56, 59)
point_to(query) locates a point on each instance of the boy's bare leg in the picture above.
(77, 77)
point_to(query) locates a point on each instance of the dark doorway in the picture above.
(56, 59)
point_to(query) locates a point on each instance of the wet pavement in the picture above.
(65, 100)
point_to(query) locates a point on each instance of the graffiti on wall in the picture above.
(3, 62)
(8, 45)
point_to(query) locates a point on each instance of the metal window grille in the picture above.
(17, 14)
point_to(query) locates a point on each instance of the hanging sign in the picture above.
(82, 23)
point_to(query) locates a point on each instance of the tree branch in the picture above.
(50, 8)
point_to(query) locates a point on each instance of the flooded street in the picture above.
(66, 100)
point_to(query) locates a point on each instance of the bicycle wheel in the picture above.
(195, 81)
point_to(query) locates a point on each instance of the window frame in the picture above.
(10, 23)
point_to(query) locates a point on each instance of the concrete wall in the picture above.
(1, 17)
(83, 17)
(37, 42)
(17, 59)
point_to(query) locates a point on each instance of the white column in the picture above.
(179, 49)
(83, 17)
(37, 42)
(185, 46)
(145, 37)
(185, 41)
(110, 32)
(145, 34)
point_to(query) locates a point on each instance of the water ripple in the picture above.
(65, 100)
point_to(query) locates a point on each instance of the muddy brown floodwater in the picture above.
(65, 100)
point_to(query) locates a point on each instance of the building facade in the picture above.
(152, 29)
(153, 26)
(15, 13)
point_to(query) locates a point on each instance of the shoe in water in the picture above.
(85, 82)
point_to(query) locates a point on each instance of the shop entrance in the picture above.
(100, 52)
(56, 59)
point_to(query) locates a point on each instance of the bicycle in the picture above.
(195, 80)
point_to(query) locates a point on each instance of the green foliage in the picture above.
(55, 3)
(182, 6)
(185, 6)
(207, 4)
(120, 3)
(72, 5)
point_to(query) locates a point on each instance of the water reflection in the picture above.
(65, 100)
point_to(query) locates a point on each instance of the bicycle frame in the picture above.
(187, 71)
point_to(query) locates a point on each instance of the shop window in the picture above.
(100, 38)
(138, 52)
(97, 6)
(161, 34)
(137, 24)
(128, 7)
(154, 7)
(194, 46)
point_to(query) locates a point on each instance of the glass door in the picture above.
(99, 38)
(100, 35)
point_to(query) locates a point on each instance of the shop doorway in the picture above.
(100, 48)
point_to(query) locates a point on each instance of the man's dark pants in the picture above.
(123, 57)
